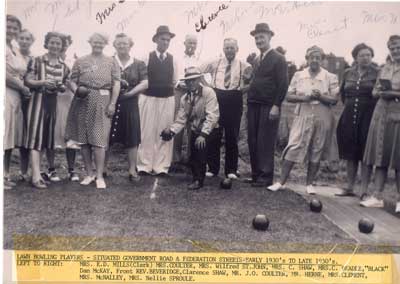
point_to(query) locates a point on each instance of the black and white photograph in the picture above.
(201, 126)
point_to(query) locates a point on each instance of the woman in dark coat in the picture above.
(359, 104)
(125, 128)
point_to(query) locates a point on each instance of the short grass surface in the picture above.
(125, 217)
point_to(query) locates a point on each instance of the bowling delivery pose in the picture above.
(199, 112)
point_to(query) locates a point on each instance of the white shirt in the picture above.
(123, 67)
(187, 61)
(217, 70)
(325, 82)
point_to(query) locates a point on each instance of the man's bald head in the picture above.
(231, 47)
(190, 44)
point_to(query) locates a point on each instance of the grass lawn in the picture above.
(175, 219)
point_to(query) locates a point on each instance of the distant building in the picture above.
(335, 64)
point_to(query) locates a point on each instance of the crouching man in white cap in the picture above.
(199, 112)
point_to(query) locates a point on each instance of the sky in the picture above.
(335, 26)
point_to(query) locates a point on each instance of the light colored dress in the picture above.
(87, 122)
(312, 136)
(383, 142)
(13, 116)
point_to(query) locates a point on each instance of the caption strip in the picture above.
(202, 267)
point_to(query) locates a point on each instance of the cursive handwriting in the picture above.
(72, 8)
(203, 23)
(322, 28)
(375, 18)
(102, 16)
(285, 8)
(32, 9)
(195, 11)
(239, 15)
(126, 21)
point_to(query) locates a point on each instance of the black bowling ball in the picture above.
(260, 222)
(226, 183)
(315, 205)
(365, 226)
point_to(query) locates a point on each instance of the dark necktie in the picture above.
(227, 78)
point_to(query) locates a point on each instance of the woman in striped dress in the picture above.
(46, 75)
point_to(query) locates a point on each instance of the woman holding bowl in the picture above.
(95, 78)
(46, 76)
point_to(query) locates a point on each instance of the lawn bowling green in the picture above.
(162, 215)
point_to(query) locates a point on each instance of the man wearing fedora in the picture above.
(267, 91)
(157, 106)
(198, 112)
(229, 78)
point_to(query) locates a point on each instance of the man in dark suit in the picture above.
(266, 93)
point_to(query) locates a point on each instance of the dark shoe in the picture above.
(364, 196)
(163, 175)
(134, 178)
(345, 193)
(53, 176)
(105, 174)
(195, 185)
(143, 173)
(45, 177)
(73, 176)
(249, 180)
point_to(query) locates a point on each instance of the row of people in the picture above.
(105, 108)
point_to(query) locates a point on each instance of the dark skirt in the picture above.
(41, 121)
(125, 128)
(352, 130)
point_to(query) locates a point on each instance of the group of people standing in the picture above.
(152, 106)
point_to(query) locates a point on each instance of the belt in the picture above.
(95, 88)
(228, 92)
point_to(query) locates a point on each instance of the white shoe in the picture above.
(397, 210)
(232, 176)
(209, 174)
(100, 184)
(310, 189)
(372, 202)
(88, 180)
(275, 187)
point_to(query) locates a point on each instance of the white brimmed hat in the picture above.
(192, 73)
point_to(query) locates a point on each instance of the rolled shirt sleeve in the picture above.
(333, 85)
